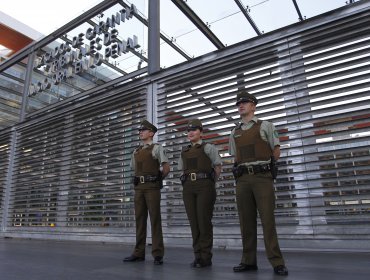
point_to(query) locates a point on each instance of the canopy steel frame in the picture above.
(193, 17)
(298, 11)
(249, 18)
(163, 37)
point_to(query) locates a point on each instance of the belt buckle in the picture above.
(250, 169)
(142, 179)
(193, 176)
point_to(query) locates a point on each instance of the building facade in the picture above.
(64, 164)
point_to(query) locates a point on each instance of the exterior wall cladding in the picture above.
(65, 174)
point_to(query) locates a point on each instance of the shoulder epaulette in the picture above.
(238, 126)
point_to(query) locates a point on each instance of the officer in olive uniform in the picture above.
(146, 161)
(201, 165)
(255, 145)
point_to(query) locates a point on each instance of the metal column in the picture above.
(153, 37)
(27, 82)
(9, 179)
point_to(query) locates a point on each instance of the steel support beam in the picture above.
(297, 9)
(246, 14)
(9, 179)
(27, 82)
(163, 37)
(109, 85)
(190, 14)
(153, 37)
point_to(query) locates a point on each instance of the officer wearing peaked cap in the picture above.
(255, 145)
(147, 125)
(201, 166)
(194, 124)
(245, 97)
(146, 162)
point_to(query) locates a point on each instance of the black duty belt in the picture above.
(145, 179)
(195, 176)
(253, 169)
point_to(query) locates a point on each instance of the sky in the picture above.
(43, 15)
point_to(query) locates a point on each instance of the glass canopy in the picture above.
(110, 41)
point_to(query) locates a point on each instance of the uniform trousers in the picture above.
(256, 192)
(199, 199)
(148, 200)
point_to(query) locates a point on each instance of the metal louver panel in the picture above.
(314, 86)
(4, 164)
(71, 170)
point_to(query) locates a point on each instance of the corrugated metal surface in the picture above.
(71, 170)
(4, 163)
(315, 88)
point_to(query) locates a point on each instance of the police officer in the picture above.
(201, 165)
(146, 161)
(253, 143)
